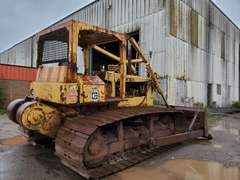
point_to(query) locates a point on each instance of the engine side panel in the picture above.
(60, 93)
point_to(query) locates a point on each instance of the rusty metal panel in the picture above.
(200, 6)
(173, 17)
(185, 24)
(194, 28)
(184, 32)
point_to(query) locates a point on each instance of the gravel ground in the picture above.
(8, 129)
(21, 162)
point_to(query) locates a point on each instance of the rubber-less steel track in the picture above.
(74, 137)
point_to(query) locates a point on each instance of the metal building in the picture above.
(192, 44)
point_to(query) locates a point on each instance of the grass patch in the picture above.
(2, 101)
(212, 104)
(236, 104)
(2, 111)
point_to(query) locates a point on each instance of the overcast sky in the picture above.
(231, 8)
(20, 19)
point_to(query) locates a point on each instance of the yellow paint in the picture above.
(41, 118)
(194, 28)
(110, 76)
(61, 85)
(123, 68)
(138, 101)
(90, 90)
(131, 78)
(61, 93)
(173, 18)
(53, 74)
(82, 92)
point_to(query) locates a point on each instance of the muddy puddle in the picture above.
(226, 126)
(18, 140)
(218, 123)
(180, 170)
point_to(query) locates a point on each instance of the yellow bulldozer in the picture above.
(90, 100)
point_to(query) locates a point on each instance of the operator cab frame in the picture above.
(61, 45)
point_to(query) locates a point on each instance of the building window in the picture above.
(219, 89)
(194, 28)
(173, 18)
(223, 45)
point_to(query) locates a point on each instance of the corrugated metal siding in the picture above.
(146, 16)
(20, 54)
(186, 64)
(113, 13)
(223, 71)
(17, 73)
(203, 65)
(185, 69)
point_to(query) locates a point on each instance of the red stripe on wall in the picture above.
(17, 73)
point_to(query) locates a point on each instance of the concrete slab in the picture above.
(21, 162)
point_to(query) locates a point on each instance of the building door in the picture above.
(209, 94)
(239, 74)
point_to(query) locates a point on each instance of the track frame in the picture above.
(81, 135)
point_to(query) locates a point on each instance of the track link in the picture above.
(74, 137)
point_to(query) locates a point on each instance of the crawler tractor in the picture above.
(90, 100)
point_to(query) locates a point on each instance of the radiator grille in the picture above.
(53, 47)
(55, 51)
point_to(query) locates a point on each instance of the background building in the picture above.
(15, 81)
(191, 44)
